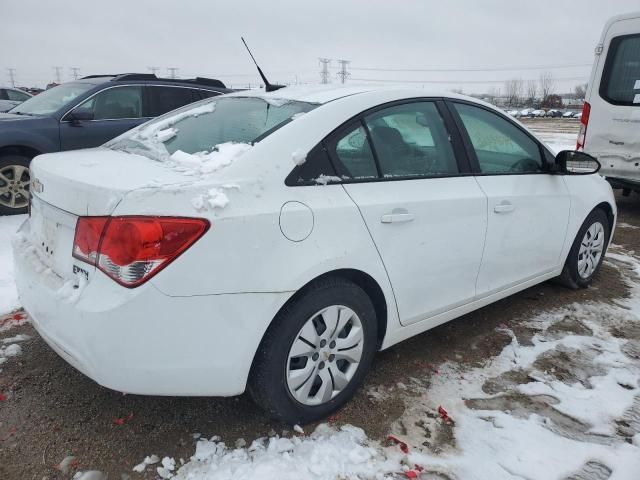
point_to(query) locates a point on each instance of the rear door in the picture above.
(614, 122)
(528, 208)
(113, 111)
(405, 172)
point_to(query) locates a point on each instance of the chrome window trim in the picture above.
(62, 120)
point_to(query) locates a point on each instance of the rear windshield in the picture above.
(52, 100)
(621, 78)
(200, 127)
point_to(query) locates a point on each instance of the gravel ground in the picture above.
(52, 411)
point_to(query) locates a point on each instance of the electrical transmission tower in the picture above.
(75, 71)
(58, 71)
(173, 72)
(343, 74)
(154, 70)
(324, 73)
(12, 76)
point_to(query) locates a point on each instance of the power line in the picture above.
(343, 74)
(473, 69)
(12, 78)
(172, 72)
(75, 71)
(154, 70)
(324, 73)
(381, 80)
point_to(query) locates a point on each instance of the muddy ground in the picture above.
(52, 411)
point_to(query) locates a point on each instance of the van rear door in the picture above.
(613, 129)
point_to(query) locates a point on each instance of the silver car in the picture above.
(10, 97)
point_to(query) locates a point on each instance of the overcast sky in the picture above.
(287, 37)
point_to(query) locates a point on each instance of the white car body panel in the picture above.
(613, 132)
(193, 329)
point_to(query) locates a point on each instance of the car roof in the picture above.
(321, 94)
(145, 78)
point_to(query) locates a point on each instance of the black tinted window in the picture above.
(316, 169)
(353, 154)
(205, 93)
(411, 140)
(621, 76)
(114, 103)
(165, 99)
(3, 94)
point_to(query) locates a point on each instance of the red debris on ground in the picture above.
(403, 446)
(2, 396)
(411, 474)
(444, 415)
(123, 420)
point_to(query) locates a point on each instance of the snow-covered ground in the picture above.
(8, 294)
(558, 141)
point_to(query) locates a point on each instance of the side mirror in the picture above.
(80, 115)
(570, 162)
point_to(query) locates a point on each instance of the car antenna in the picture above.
(267, 86)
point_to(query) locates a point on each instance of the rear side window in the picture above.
(3, 94)
(621, 77)
(353, 152)
(500, 146)
(17, 96)
(205, 93)
(411, 140)
(165, 99)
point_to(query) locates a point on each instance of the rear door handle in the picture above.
(397, 218)
(504, 207)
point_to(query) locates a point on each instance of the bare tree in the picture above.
(547, 85)
(532, 92)
(580, 91)
(493, 95)
(513, 91)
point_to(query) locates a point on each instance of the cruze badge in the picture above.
(37, 186)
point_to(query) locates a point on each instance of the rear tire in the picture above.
(296, 347)
(14, 184)
(587, 252)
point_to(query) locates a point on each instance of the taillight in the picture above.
(584, 122)
(131, 250)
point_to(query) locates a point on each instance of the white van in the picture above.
(610, 123)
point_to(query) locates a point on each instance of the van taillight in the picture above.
(584, 122)
(131, 250)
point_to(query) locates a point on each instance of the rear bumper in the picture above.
(631, 184)
(142, 341)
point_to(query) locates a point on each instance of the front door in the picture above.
(111, 112)
(427, 221)
(527, 210)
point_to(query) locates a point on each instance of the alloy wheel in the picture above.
(325, 355)
(14, 186)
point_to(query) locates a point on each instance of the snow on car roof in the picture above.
(326, 93)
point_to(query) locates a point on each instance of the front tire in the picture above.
(316, 353)
(14, 184)
(587, 252)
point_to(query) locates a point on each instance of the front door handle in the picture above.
(504, 207)
(397, 217)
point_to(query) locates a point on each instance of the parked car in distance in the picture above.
(393, 211)
(527, 112)
(84, 113)
(553, 113)
(539, 113)
(610, 120)
(568, 114)
(513, 113)
(11, 97)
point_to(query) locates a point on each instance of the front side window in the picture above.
(500, 146)
(115, 103)
(354, 154)
(53, 99)
(165, 99)
(411, 140)
(621, 77)
(17, 96)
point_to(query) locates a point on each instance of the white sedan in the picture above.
(275, 241)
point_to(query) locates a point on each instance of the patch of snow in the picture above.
(298, 429)
(166, 134)
(168, 466)
(154, 128)
(8, 294)
(299, 157)
(149, 460)
(18, 338)
(325, 179)
(205, 163)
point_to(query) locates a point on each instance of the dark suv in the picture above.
(82, 114)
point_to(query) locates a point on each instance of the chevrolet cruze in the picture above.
(273, 242)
